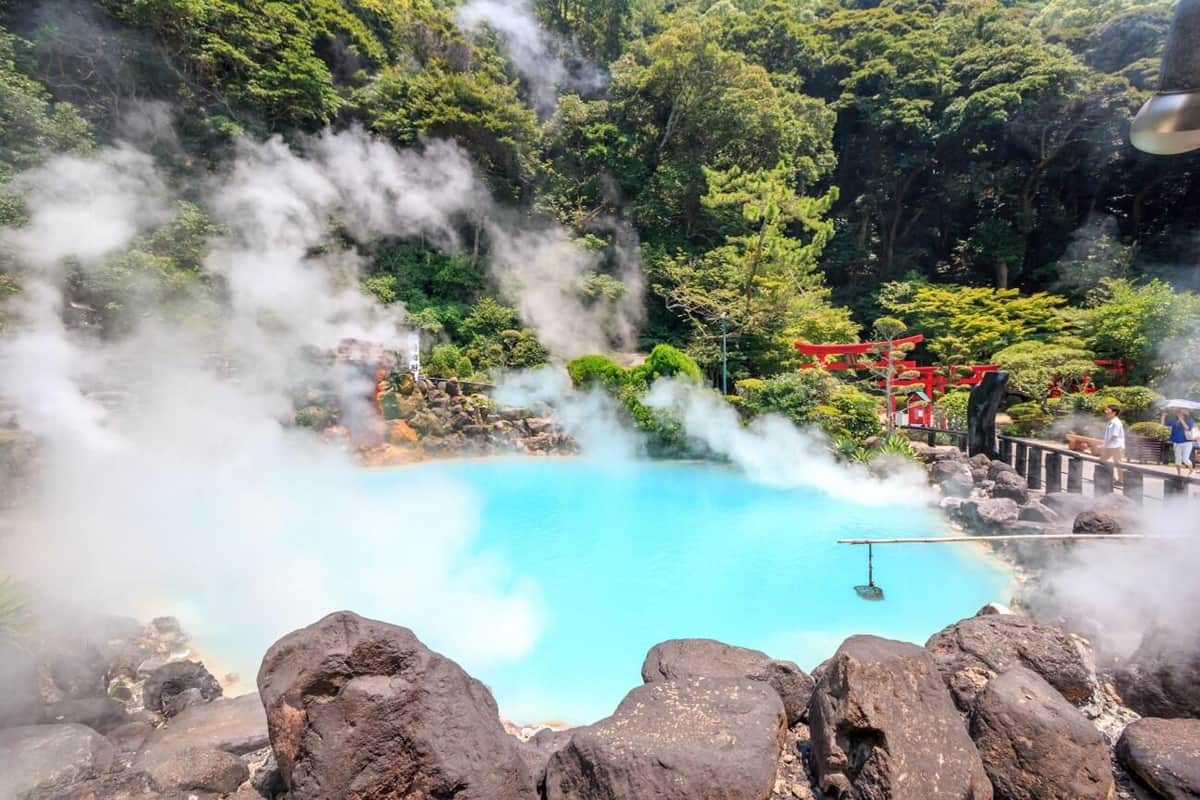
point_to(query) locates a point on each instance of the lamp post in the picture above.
(724, 355)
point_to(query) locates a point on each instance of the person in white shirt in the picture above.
(1113, 449)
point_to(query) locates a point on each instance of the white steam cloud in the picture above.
(196, 500)
(533, 51)
(773, 451)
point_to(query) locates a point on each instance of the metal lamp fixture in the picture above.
(1169, 122)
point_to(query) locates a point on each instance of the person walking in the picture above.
(1113, 449)
(1182, 426)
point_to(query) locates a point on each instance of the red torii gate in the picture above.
(933, 380)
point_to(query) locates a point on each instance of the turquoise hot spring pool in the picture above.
(572, 569)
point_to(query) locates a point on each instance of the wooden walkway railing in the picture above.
(1052, 468)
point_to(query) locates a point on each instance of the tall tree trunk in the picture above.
(1001, 267)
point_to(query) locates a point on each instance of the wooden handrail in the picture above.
(1125, 465)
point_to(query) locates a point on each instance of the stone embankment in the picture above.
(422, 419)
(994, 706)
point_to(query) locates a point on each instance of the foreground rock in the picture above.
(688, 658)
(712, 738)
(359, 708)
(237, 726)
(98, 713)
(1037, 746)
(1096, 522)
(43, 757)
(172, 680)
(197, 770)
(1164, 754)
(971, 652)
(1162, 677)
(884, 727)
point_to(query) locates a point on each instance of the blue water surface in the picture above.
(626, 555)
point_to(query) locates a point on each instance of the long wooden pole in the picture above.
(1004, 538)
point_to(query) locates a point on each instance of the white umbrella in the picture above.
(1190, 405)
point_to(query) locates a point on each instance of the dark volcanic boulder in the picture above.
(537, 751)
(98, 713)
(1037, 746)
(1037, 512)
(126, 785)
(176, 678)
(43, 757)
(954, 477)
(1164, 754)
(989, 514)
(359, 708)
(972, 651)
(20, 696)
(1096, 522)
(197, 770)
(236, 726)
(997, 468)
(885, 728)
(1162, 677)
(689, 658)
(1012, 486)
(712, 738)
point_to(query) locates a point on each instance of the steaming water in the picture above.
(621, 556)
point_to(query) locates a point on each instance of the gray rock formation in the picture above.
(884, 727)
(954, 477)
(43, 757)
(712, 738)
(688, 658)
(1037, 746)
(176, 678)
(1164, 755)
(359, 708)
(98, 713)
(1162, 677)
(236, 726)
(1096, 522)
(196, 769)
(971, 652)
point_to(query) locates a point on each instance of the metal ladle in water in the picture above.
(870, 591)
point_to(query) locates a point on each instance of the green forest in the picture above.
(792, 169)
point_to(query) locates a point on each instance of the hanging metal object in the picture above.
(1169, 122)
(870, 591)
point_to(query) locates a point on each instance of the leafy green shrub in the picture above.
(592, 370)
(443, 361)
(748, 388)
(390, 406)
(857, 411)
(952, 406)
(665, 361)
(1135, 401)
(1029, 418)
(1151, 430)
(896, 445)
(316, 417)
(794, 395)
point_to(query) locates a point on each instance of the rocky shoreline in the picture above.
(419, 420)
(994, 706)
(1000, 705)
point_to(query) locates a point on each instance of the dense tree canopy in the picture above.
(791, 170)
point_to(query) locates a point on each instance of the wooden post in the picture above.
(931, 439)
(1006, 451)
(1022, 459)
(1075, 475)
(1053, 472)
(1133, 486)
(1174, 485)
(1034, 478)
(1102, 479)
